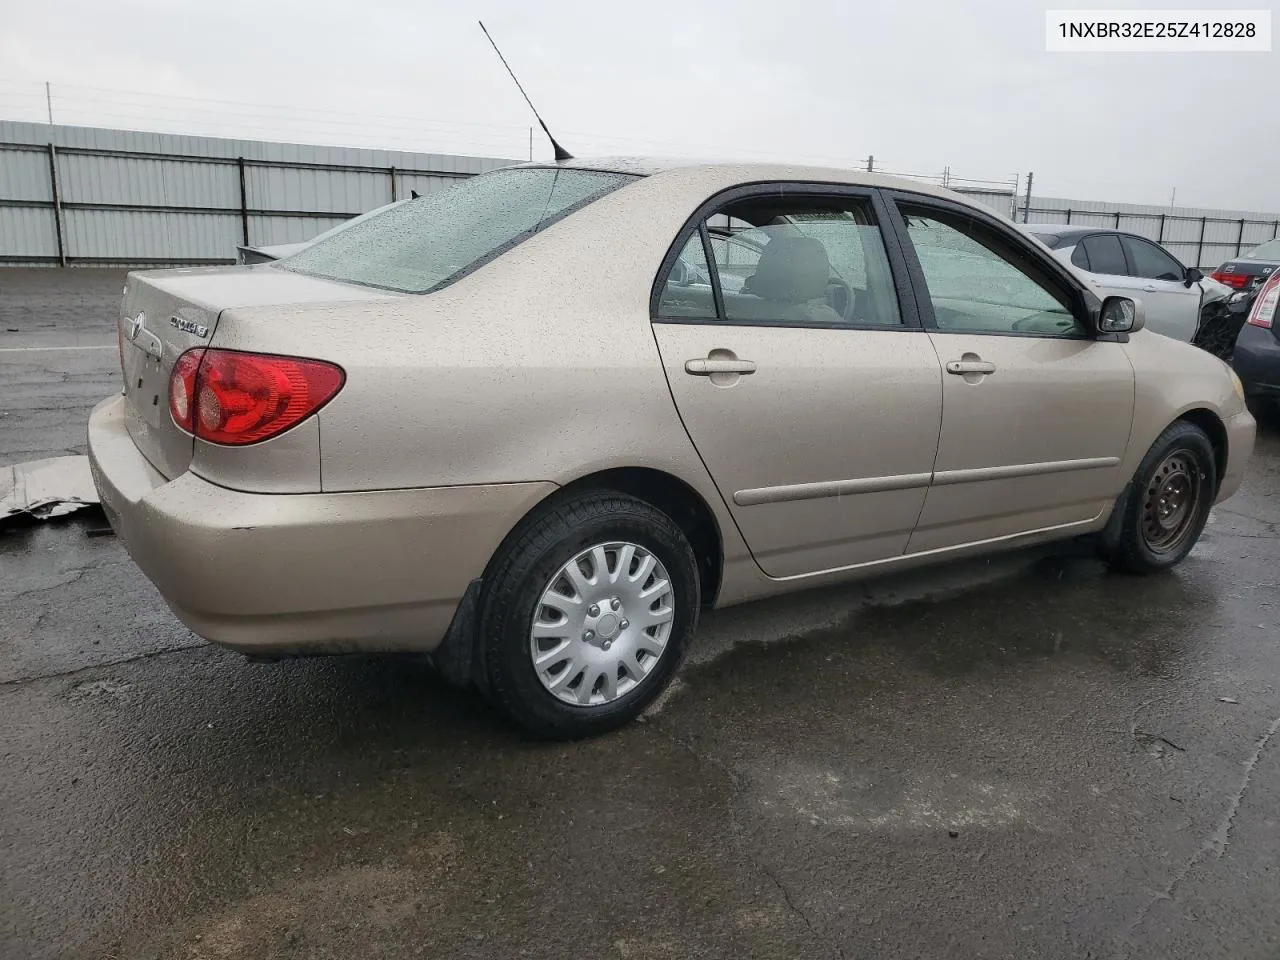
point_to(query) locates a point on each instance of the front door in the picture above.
(1173, 305)
(1036, 412)
(806, 384)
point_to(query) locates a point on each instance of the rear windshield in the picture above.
(429, 242)
(1266, 251)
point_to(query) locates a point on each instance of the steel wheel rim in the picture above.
(602, 624)
(1171, 502)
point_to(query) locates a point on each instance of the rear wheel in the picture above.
(586, 614)
(1162, 514)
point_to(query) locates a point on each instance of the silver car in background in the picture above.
(1179, 299)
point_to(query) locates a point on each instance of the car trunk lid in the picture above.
(167, 313)
(1243, 273)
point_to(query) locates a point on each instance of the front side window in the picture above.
(1151, 262)
(979, 284)
(1104, 254)
(426, 243)
(808, 261)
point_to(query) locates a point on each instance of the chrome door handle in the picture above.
(1150, 288)
(705, 368)
(961, 367)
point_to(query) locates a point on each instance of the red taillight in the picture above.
(182, 388)
(1237, 280)
(1264, 307)
(233, 398)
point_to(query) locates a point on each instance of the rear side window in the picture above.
(1152, 262)
(1104, 254)
(429, 242)
(687, 293)
(804, 261)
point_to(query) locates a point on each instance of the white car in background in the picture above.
(1179, 299)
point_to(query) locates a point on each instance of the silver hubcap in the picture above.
(602, 624)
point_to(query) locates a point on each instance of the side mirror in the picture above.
(1193, 276)
(1121, 315)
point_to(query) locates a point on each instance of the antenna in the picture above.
(560, 152)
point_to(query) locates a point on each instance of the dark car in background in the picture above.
(1250, 269)
(1257, 355)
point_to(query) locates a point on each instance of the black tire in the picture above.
(545, 542)
(1131, 541)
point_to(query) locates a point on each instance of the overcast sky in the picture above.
(921, 84)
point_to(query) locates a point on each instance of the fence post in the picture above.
(1160, 239)
(1026, 207)
(392, 172)
(57, 204)
(1200, 243)
(871, 163)
(1068, 215)
(1275, 230)
(1240, 237)
(1117, 219)
(244, 203)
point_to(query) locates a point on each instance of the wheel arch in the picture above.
(678, 500)
(1215, 430)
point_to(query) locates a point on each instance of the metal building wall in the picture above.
(128, 197)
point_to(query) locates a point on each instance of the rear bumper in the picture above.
(279, 574)
(1257, 361)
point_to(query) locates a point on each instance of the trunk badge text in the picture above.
(189, 326)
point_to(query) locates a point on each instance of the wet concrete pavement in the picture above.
(1028, 757)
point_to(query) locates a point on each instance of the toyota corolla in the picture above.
(533, 424)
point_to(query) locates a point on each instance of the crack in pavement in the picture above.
(735, 828)
(74, 575)
(132, 658)
(1217, 841)
(1269, 524)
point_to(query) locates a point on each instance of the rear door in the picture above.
(1173, 305)
(802, 377)
(1036, 411)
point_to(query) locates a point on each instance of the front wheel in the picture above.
(586, 614)
(1162, 514)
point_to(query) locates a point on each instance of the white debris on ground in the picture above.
(46, 488)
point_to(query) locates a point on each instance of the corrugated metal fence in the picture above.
(84, 195)
(80, 195)
(1196, 236)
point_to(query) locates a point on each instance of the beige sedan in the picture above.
(533, 424)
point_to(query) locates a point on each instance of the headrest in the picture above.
(791, 270)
